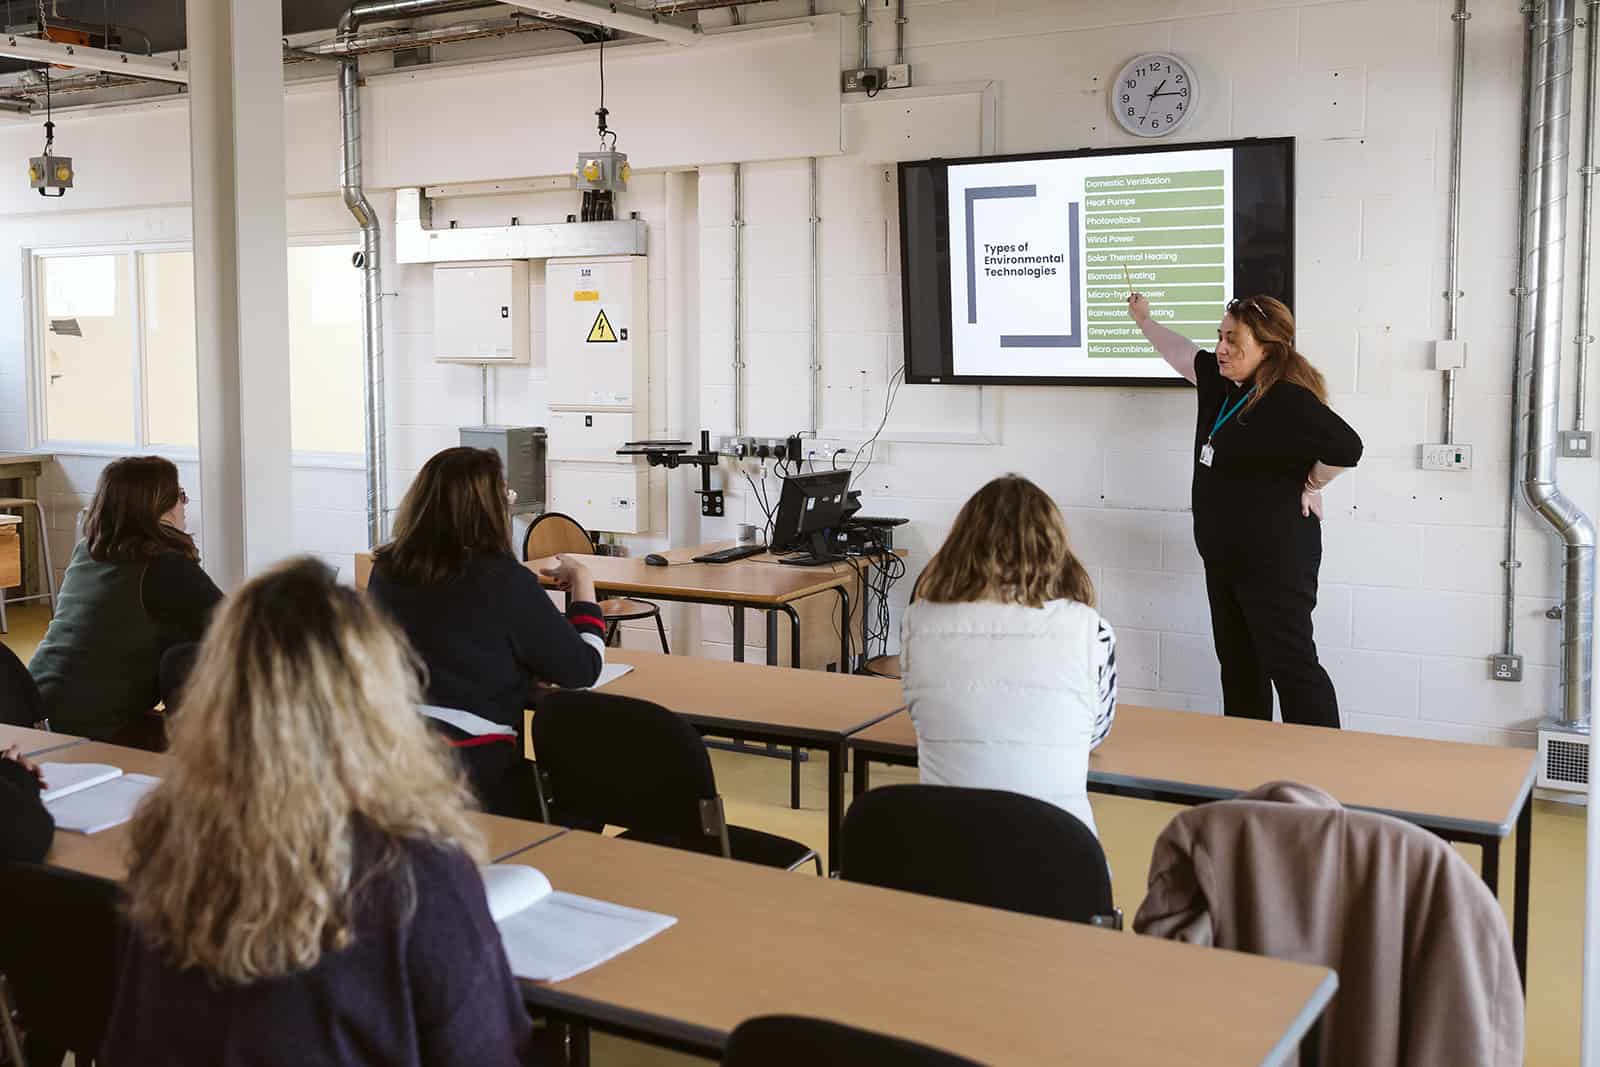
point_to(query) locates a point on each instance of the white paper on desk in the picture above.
(68, 778)
(610, 673)
(100, 808)
(551, 936)
(466, 722)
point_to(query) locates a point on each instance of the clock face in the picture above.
(1153, 95)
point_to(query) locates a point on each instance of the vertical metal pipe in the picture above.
(738, 300)
(816, 305)
(900, 31)
(355, 198)
(1586, 250)
(1547, 188)
(1511, 564)
(1452, 292)
(863, 34)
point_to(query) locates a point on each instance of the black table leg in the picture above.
(794, 777)
(772, 640)
(1519, 906)
(862, 781)
(845, 666)
(835, 801)
(738, 635)
(1491, 864)
(1311, 1046)
(794, 634)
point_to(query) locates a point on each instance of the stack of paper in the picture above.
(610, 673)
(87, 798)
(550, 936)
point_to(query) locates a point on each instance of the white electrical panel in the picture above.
(592, 436)
(597, 329)
(480, 312)
(613, 497)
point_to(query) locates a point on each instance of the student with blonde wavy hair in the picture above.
(303, 886)
(1010, 674)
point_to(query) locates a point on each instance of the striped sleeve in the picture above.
(1105, 662)
(587, 619)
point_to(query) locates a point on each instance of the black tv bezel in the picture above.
(1288, 143)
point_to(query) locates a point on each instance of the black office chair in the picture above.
(795, 1041)
(61, 964)
(20, 702)
(617, 761)
(981, 846)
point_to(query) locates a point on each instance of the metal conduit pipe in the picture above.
(1546, 213)
(1452, 292)
(863, 34)
(393, 40)
(738, 300)
(900, 32)
(1586, 250)
(1523, 287)
(816, 306)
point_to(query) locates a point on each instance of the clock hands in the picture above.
(1152, 103)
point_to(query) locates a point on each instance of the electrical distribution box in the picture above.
(522, 453)
(597, 330)
(480, 312)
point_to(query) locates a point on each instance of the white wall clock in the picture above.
(1154, 94)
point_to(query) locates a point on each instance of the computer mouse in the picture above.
(655, 559)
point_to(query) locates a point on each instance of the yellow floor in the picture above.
(757, 792)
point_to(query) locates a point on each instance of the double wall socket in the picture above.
(866, 79)
(1505, 668)
(1577, 444)
(1446, 457)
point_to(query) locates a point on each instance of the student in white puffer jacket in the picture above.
(1009, 672)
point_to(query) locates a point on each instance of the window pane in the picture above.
(171, 395)
(325, 371)
(88, 349)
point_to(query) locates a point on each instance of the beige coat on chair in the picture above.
(1427, 977)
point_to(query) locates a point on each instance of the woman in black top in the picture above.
(482, 623)
(1266, 444)
(133, 591)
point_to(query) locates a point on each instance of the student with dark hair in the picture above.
(133, 590)
(482, 623)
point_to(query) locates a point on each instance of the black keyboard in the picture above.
(730, 555)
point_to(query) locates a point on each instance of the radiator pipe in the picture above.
(1546, 213)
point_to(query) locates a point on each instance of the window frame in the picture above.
(130, 254)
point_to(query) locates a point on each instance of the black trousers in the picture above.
(1261, 622)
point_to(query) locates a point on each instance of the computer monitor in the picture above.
(810, 505)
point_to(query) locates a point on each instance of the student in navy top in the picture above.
(303, 887)
(485, 628)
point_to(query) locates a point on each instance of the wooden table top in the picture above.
(30, 741)
(1445, 785)
(1000, 987)
(755, 582)
(817, 704)
(106, 854)
(10, 459)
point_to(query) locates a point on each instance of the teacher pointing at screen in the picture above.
(1266, 443)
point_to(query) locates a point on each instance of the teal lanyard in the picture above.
(1228, 413)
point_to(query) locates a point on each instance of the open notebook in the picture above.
(551, 936)
(89, 797)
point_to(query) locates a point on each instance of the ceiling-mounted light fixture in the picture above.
(602, 173)
(50, 171)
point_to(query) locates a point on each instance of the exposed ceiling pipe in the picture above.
(82, 57)
(395, 40)
(1545, 209)
(673, 7)
(674, 29)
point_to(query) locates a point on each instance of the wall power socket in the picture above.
(1446, 457)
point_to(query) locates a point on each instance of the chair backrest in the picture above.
(20, 702)
(982, 846)
(796, 1041)
(61, 953)
(628, 763)
(554, 534)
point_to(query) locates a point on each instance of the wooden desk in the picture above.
(1002, 988)
(1470, 793)
(106, 854)
(34, 742)
(804, 709)
(10, 552)
(24, 468)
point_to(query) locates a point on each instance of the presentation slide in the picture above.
(1042, 253)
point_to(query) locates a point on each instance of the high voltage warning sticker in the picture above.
(601, 332)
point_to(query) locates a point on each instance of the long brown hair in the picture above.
(298, 725)
(1271, 323)
(455, 512)
(124, 521)
(1009, 544)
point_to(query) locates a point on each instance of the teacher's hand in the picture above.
(1138, 307)
(1310, 503)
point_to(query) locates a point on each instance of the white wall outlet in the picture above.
(1446, 457)
(1449, 355)
(1506, 668)
(1577, 444)
(899, 76)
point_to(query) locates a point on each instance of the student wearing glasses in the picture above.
(1266, 445)
(133, 591)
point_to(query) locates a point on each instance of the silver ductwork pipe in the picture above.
(1545, 212)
